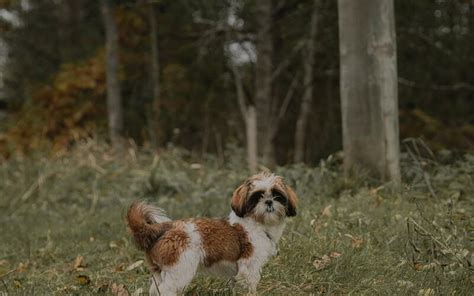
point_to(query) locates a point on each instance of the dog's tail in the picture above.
(147, 224)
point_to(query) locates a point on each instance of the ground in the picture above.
(63, 230)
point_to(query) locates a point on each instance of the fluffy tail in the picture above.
(147, 224)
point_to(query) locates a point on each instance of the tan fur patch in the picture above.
(239, 198)
(170, 246)
(222, 241)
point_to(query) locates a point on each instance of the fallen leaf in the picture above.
(323, 262)
(22, 267)
(426, 292)
(134, 265)
(327, 211)
(17, 283)
(405, 284)
(83, 279)
(418, 266)
(120, 267)
(356, 242)
(429, 266)
(79, 263)
(119, 290)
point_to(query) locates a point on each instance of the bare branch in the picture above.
(453, 87)
(285, 63)
(284, 105)
(240, 90)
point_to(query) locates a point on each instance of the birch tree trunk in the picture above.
(368, 71)
(252, 139)
(154, 77)
(263, 81)
(114, 100)
(306, 102)
(249, 114)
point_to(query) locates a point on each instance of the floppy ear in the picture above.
(292, 201)
(239, 199)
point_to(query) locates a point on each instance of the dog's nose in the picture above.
(268, 202)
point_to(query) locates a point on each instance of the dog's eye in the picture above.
(278, 196)
(256, 195)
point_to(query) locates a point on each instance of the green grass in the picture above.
(391, 242)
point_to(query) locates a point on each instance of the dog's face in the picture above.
(265, 198)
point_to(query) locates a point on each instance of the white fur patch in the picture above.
(266, 183)
(173, 279)
(264, 239)
(157, 215)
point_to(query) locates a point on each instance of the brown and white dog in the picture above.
(237, 246)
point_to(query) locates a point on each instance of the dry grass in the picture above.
(63, 232)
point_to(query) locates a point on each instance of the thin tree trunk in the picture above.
(252, 139)
(263, 82)
(154, 77)
(369, 100)
(114, 100)
(305, 109)
(249, 114)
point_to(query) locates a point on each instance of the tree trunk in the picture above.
(252, 139)
(368, 69)
(249, 114)
(154, 77)
(263, 82)
(114, 100)
(305, 109)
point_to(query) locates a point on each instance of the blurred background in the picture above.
(180, 65)
(174, 101)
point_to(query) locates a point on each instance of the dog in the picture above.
(238, 246)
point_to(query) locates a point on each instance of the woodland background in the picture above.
(188, 73)
(52, 83)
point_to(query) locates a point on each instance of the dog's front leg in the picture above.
(249, 275)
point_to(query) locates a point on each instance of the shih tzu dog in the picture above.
(237, 246)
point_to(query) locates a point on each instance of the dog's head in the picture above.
(265, 198)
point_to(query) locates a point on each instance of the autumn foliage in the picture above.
(70, 108)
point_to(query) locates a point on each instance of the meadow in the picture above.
(63, 230)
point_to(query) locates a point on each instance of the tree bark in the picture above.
(306, 102)
(263, 81)
(114, 100)
(369, 103)
(252, 139)
(154, 77)
(249, 114)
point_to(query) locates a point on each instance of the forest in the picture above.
(366, 108)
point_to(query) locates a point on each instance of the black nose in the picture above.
(269, 202)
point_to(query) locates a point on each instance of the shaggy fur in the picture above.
(237, 246)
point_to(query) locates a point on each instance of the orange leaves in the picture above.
(325, 261)
(79, 263)
(65, 111)
(4, 3)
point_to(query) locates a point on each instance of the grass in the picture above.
(389, 242)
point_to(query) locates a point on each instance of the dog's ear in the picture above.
(292, 201)
(239, 198)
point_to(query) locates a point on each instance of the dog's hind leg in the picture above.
(174, 279)
(154, 284)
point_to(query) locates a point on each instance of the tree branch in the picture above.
(240, 89)
(284, 104)
(284, 64)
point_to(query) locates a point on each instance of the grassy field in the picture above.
(63, 230)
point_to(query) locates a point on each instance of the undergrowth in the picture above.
(63, 230)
